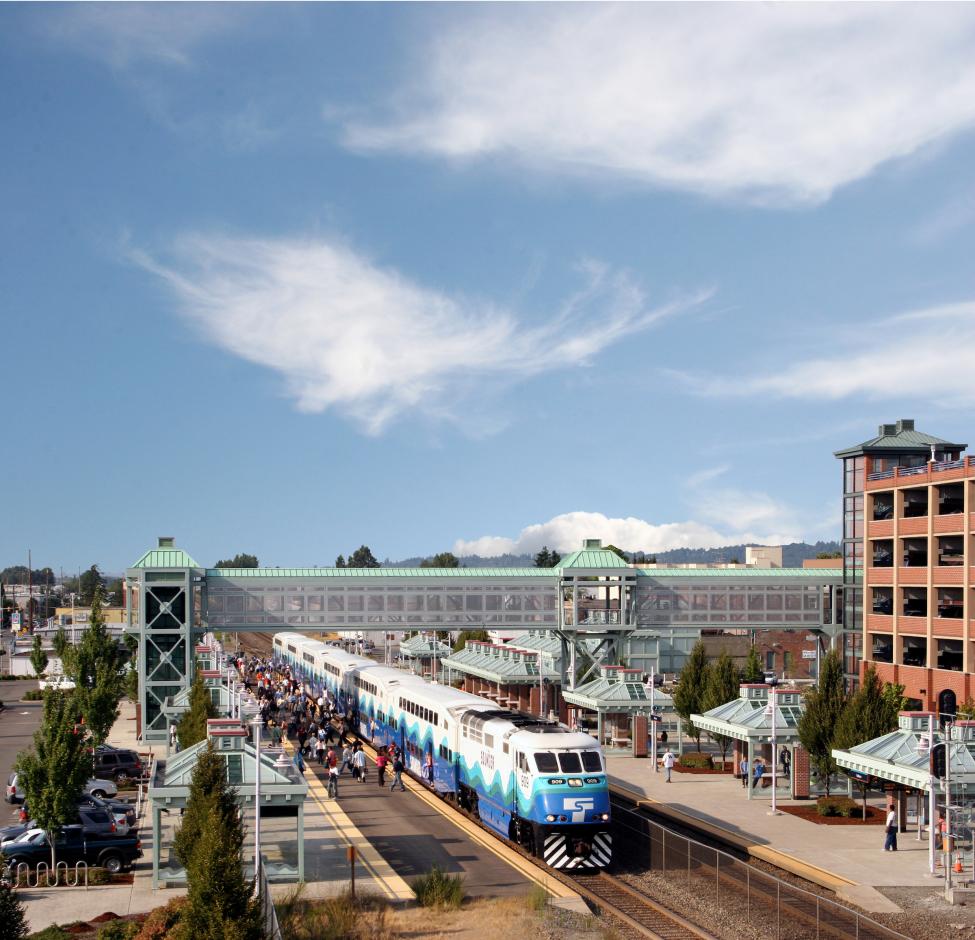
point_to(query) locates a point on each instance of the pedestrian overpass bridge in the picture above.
(651, 615)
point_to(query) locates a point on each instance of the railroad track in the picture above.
(643, 915)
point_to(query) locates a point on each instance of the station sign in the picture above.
(808, 654)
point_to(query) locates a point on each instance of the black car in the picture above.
(113, 807)
(116, 764)
(113, 853)
(95, 822)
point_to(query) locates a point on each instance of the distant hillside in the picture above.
(792, 556)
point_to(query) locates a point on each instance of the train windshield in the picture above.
(591, 761)
(569, 762)
(546, 763)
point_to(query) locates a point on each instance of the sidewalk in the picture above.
(853, 853)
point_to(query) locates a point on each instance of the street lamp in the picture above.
(772, 682)
(256, 724)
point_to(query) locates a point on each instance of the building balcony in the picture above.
(916, 476)
(912, 525)
(913, 575)
(949, 524)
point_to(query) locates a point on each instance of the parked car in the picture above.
(58, 681)
(113, 853)
(116, 764)
(94, 822)
(123, 813)
(94, 787)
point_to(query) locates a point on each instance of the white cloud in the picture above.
(348, 334)
(925, 354)
(780, 103)
(124, 33)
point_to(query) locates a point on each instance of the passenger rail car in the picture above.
(531, 781)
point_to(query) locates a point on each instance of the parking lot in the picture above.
(18, 721)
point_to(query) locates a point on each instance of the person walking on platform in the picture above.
(359, 764)
(398, 768)
(346, 759)
(668, 764)
(758, 773)
(333, 774)
(743, 768)
(890, 828)
(320, 751)
(299, 762)
(786, 760)
(381, 761)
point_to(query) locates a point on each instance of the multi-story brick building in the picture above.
(909, 506)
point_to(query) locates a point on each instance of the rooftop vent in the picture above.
(592, 544)
(887, 430)
(167, 541)
(905, 424)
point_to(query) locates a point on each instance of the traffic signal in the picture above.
(939, 755)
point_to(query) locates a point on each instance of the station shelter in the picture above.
(899, 764)
(424, 653)
(748, 721)
(283, 793)
(621, 705)
(522, 674)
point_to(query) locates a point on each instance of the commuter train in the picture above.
(531, 781)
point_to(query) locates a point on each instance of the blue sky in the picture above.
(289, 279)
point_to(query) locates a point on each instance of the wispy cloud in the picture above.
(123, 34)
(923, 354)
(348, 334)
(778, 103)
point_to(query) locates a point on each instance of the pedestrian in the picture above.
(758, 772)
(743, 768)
(172, 736)
(663, 737)
(786, 760)
(320, 750)
(299, 762)
(381, 761)
(428, 767)
(398, 768)
(359, 764)
(890, 828)
(333, 774)
(668, 764)
(346, 759)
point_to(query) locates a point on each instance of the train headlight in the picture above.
(605, 817)
(563, 818)
(550, 818)
(575, 782)
(557, 781)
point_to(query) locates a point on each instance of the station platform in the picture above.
(847, 859)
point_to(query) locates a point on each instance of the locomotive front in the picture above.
(568, 808)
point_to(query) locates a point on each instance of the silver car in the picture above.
(100, 788)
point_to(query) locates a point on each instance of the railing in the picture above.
(775, 908)
(924, 468)
(272, 929)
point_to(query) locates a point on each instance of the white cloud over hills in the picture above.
(776, 103)
(345, 333)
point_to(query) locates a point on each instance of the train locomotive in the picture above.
(532, 781)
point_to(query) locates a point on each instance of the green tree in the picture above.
(97, 665)
(721, 687)
(192, 725)
(465, 635)
(90, 582)
(546, 558)
(363, 557)
(894, 697)
(38, 658)
(210, 846)
(13, 916)
(340, 562)
(753, 671)
(690, 688)
(61, 644)
(53, 774)
(616, 551)
(441, 560)
(817, 725)
(829, 554)
(869, 714)
(241, 560)
(114, 592)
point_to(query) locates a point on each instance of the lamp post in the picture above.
(256, 724)
(770, 710)
(653, 726)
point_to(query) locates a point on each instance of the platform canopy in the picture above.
(618, 691)
(902, 756)
(422, 646)
(748, 718)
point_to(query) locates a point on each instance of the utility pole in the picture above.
(30, 593)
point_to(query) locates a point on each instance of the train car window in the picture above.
(591, 761)
(546, 763)
(489, 740)
(570, 763)
(504, 747)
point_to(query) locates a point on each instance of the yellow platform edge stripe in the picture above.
(783, 860)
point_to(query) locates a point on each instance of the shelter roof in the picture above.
(900, 437)
(617, 690)
(746, 717)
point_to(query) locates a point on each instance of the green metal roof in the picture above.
(592, 558)
(897, 437)
(165, 558)
(380, 572)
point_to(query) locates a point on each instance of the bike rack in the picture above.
(62, 875)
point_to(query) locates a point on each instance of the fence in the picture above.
(779, 910)
(272, 929)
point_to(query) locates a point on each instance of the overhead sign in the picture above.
(808, 654)
(15, 621)
(656, 718)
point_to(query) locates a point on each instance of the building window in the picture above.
(915, 602)
(883, 553)
(915, 553)
(883, 601)
(951, 551)
(915, 502)
(770, 660)
(915, 651)
(950, 655)
(950, 603)
(883, 506)
(882, 647)
(951, 499)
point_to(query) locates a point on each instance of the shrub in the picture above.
(13, 915)
(33, 695)
(697, 759)
(537, 898)
(98, 876)
(54, 932)
(119, 930)
(438, 889)
(338, 918)
(836, 806)
(161, 920)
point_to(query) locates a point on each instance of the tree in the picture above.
(616, 551)
(546, 558)
(869, 714)
(210, 846)
(53, 774)
(829, 554)
(115, 591)
(340, 562)
(363, 557)
(894, 697)
(13, 916)
(61, 644)
(192, 725)
(466, 635)
(753, 671)
(90, 581)
(441, 560)
(721, 687)
(690, 688)
(817, 725)
(38, 658)
(241, 560)
(97, 666)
